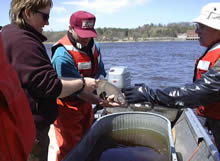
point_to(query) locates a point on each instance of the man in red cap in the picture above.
(76, 55)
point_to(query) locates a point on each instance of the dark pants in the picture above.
(40, 149)
(214, 127)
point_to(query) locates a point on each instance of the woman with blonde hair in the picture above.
(23, 43)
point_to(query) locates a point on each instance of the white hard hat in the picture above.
(210, 15)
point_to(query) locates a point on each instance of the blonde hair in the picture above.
(18, 6)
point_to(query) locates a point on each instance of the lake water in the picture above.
(158, 64)
(120, 145)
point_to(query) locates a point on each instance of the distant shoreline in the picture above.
(129, 41)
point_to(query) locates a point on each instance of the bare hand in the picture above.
(109, 102)
(91, 84)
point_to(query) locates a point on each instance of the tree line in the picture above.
(142, 33)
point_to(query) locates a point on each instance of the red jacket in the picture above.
(203, 64)
(16, 123)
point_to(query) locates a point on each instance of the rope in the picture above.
(194, 153)
(174, 135)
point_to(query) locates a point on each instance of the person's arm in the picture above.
(87, 85)
(203, 91)
(66, 69)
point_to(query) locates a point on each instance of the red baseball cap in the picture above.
(83, 23)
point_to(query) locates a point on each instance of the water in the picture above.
(158, 64)
(129, 145)
(142, 137)
(131, 154)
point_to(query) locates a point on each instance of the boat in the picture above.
(187, 138)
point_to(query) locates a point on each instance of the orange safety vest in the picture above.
(17, 125)
(82, 60)
(84, 65)
(202, 65)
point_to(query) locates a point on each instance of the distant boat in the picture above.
(191, 35)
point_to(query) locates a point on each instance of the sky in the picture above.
(118, 13)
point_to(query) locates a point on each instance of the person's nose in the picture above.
(47, 22)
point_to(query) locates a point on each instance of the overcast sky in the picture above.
(118, 13)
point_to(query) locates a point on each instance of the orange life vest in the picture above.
(202, 65)
(16, 123)
(84, 65)
(82, 60)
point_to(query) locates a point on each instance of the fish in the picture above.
(105, 89)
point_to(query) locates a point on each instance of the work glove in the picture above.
(139, 93)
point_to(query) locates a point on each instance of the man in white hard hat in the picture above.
(204, 92)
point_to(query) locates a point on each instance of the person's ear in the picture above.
(26, 14)
(70, 27)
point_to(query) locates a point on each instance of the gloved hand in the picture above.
(139, 93)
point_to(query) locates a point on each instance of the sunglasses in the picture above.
(45, 16)
(199, 27)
